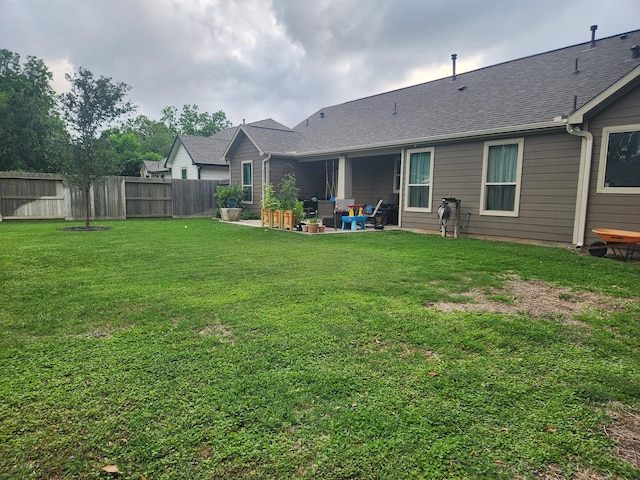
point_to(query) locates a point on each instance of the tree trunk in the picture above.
(87, 191)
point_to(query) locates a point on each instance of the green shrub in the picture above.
(229, 195)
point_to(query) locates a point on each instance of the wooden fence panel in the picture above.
(37, 198)
(32, 196)
(194, 198)
(148, 198)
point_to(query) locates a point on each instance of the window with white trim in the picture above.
(247, 181)
(501, 177)
(620, 160)
(184, 173)
(397, 175)
(419, 173)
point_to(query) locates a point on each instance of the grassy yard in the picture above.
(195, 349)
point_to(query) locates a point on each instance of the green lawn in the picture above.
(195, 349)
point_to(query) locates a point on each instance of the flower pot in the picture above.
(230, 214)
(321, 228)
(313, 228)
(305, 227)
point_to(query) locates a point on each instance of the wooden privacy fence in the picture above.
(40, 196)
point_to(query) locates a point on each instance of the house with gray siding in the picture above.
(542, 148)
(200, 158)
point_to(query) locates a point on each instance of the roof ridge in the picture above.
(506, 62)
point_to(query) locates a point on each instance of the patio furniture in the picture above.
(375, 217)
(354, 220)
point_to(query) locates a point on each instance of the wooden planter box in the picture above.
(276, 219)
(288, 220)
(267, 218)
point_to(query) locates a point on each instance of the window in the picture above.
(397, 165)
(247, 181)
(620, 160)
(418, 177)
(501, 173)
(184, 173)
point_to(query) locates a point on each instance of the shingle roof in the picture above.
(524, 92)
(156, 167)
(208, 150)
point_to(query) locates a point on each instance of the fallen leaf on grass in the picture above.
(550, 428)
(111, 468)
(433, 374)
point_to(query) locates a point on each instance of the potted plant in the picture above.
(229, 199)
(313, 225)
(269, 204)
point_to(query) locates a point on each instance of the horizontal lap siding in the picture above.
(244, 152)
(547, 196)
(373, 178)
(611, 210)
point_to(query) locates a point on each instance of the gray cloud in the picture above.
(286, 59)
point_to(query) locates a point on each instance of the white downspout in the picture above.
(584, 174)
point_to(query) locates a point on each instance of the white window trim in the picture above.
(407, 172)
(485, 161)
(604, 149)
(397, 177)
(250, 162)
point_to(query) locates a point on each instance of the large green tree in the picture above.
(32, 134)
(91, 106)
(193, 122)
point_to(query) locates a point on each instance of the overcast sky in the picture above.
(286, 59)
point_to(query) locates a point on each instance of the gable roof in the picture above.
(529, 93)
(153, 166)
(267, 135)
(205, 150)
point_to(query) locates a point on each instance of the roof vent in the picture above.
(635, 51)
(321, 114)
(453, 60)
(593, 36)
(462, 88)
(576, 70)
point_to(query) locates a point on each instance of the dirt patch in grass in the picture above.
(625, 431)
(218, 330)
(96, 228)
(534, 298)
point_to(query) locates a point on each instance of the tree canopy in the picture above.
(31, 131)
(85, 133)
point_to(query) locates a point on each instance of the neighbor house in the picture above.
(542, 148)
(152, 168)
(200, 158)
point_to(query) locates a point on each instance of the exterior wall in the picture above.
(547, 196)
(373, 178)
(246, 151)
(182, 160)
(214, 172)
(612, 210)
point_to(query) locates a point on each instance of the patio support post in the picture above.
(345, 186)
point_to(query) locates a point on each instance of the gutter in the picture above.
(584, 174)
(411, 142)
